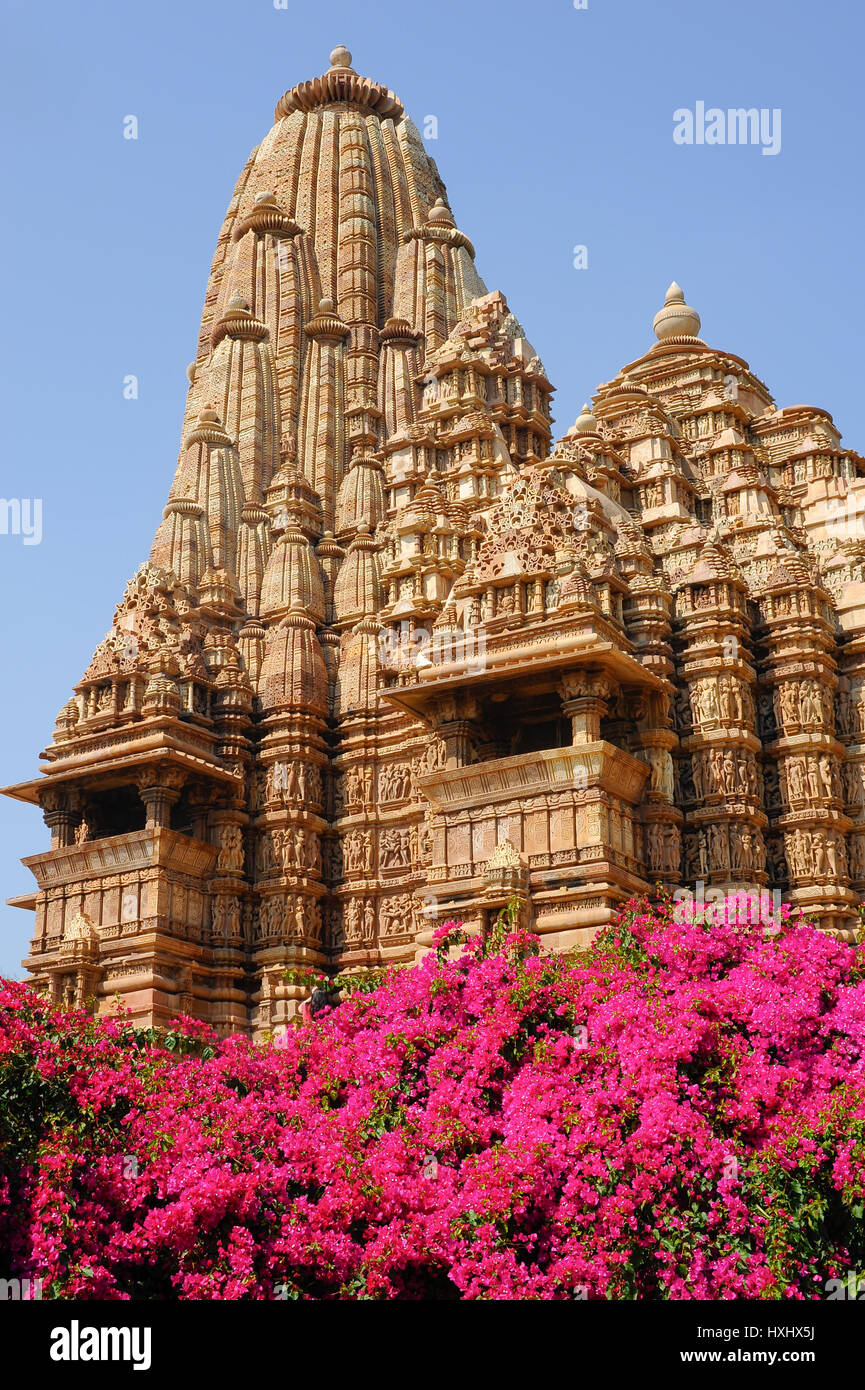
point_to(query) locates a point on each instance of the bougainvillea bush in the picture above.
(676, 1113)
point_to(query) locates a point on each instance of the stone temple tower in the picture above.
(394, 658)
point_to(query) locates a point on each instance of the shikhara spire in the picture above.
(394, 658)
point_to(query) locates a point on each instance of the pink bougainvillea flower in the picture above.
(676, 1113)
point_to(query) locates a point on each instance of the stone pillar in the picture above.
(800, 681)
(456, 725)
(661, 819)
(850, 727)
(585, 700)
(61, 811)
(724, 826)
(457, 738)
(159, 789)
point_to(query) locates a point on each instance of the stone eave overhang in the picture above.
(159, 746)
(25, 900)
(524, 663)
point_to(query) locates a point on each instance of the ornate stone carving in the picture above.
(230, 857)
(385, 635)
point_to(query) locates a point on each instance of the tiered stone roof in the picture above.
(387, 626)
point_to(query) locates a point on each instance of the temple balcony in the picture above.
(537, 733)
(141, 899)
(568, 811)
(140, 850)
(124, 885)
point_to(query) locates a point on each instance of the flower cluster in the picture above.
(678, 1112)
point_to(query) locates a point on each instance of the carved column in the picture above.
(799, 679)
(229, 888)
(724, 821)
(850, 727)
(646, 731)
(585, 701)
(61, 811)
(159, 789)
(456, 725)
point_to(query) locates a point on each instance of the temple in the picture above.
(398, 657)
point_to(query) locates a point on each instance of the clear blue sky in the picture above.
(554, 129)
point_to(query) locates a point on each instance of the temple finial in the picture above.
(340, 57)
(585, 422)
(677, 319)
